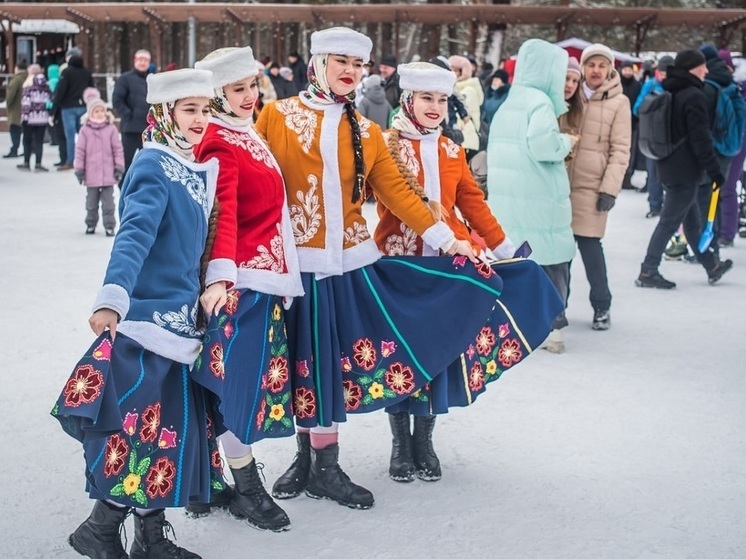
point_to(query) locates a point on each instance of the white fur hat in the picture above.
(423, 76)
(341, 40)
(229, 65)
(171, 86)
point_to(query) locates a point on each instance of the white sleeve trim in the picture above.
(504, 250)
(114, 297)
(221, 269)
(439, 236)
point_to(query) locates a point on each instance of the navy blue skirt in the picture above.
(521, 319)
(374, 336)
(244, 363)
(147, 439)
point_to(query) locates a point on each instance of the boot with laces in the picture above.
(99, 537)
(151, 541)
(252, 503)
(218, 500)
(425, 460)
(294, 480)
(327, 481)
(401, 465)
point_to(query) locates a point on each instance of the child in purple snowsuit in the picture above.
(99, 164)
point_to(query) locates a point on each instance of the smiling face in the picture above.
(343, 73)
(430, 108)
(596, 71)
(242, 96)
(190, 115)
(571, 84)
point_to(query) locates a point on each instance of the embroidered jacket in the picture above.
(313, 144)
(152, 280)
(440, 166)
(253, 246)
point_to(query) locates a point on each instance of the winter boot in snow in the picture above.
(653, 278)
(99, 536)
(555, 342)
(601, 320)
(327, 481)
(151, 541)
(252, 503)
(218, 500)
(401, 466)
(294, 480)
(425, 460)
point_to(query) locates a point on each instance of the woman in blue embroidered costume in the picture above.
(253, 264)
(357, 343)
(130, 401)
(436, 167)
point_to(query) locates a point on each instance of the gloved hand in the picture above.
(719, 180)
(118, 173)
(605, 202)
(80, 175)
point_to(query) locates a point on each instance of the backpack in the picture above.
(654, 128)
(728, 121)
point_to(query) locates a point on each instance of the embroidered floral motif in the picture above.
(151, 420)
(83, 387)
(215, 460)
(129, 425)
(402, 245)
(182, 322)
(261, 414)
(277, 374)
(409, 156)
(244, 140)
(484, 269)
(491, 367)
(277, 412)
(451, 147)
(346, 364)
(194, 184)
(364, 127)
(510, 353)
(476, 377)
(217, 368)
(301, 368)
(103, 351)
(231, 303)
(167, 439)
(400, 378)
(485, 341)
(272, 259)
(116, 451)
(352, 395)
(365, 353)
(305, 218)
(387, 348)
(357, 233)
(503, 330)
(228, 330)
(304, 402)
(375, 390)
(159, 480)
(300, 120)
(459, 261)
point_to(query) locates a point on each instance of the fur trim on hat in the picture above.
(229, 65)
(341, 40)
(597, 49)
(461, 64)
(423, 76)
(179, 84)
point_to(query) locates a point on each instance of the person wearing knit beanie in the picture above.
(574, 66)
(725, 56)
(709, 50)
(596, 49)
(688, 59)
(597, 63)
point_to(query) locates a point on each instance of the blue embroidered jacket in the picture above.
(152, 280)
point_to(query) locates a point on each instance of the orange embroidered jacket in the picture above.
(313, 144)
(440, 167)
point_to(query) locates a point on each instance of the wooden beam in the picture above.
(641, 31)
(153, 15)
(562, 24)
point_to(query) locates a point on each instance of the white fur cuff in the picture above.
(504, 250)
(439, 236)
(221, 269)
(114, 297)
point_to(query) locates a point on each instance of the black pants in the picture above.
(131, 142)
(703, 201)
(16, 130)
(594, 262)
(58, 133)
(560, 276)
(679, 207)
(33, 142)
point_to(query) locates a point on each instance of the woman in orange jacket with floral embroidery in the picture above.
(436, 168)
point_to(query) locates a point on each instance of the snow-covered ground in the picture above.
(630, 445)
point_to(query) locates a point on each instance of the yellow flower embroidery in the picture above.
(491, 367)
(376, 390)
(277, 312)
(131, 484)
(277, 412)
(271, 333)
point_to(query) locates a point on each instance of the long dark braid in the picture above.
(357, 146)
(212, 226)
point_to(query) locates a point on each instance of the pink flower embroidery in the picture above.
(485, 341)
(459, 261)
(470, 352)
(228, 330)
(365, 353)
(103, 351)
(346, 364)
(301, 368)
(168, 439)
(129, 425)
(503, 330)
(510, 353)
(388, 348)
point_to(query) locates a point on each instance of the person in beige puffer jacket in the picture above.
(597, 169)
(471, 94)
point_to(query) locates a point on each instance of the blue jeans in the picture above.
(655, 188)
(71, 124)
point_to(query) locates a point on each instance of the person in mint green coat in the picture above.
(529, 191)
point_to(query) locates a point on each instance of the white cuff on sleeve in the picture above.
(221, 269)
(504, 250)
(439, 236)
(114, 297)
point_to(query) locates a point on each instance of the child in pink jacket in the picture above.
(99, 163)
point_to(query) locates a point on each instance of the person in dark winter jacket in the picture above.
(130, 104)
(374, 105)
(68, 101)
(456, 108)
(494, 95)
(291, 89)
(631, 89)
(300, 70)
(684, 170)
(387, 68)
(13, 106)
(283, 88)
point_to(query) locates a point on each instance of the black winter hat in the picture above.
(388, 60)
(502, 74)
(626, 64)
(688, 59)
(441, 61)
(709, 50)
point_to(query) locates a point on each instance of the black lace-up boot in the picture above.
(99, 536)
(327, 481)
(252, 503)
(401, 466)
(151, 541)
(218, 500)
(294, 480)
(425, 460)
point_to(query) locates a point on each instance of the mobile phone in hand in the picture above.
(523, 251)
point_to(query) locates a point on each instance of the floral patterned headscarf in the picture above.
(405, 121)
(318, 86)
(221, 108)
(162, 129)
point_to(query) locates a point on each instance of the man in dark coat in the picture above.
(68, 100)
(387, 69)
(13, 106)
(130, 104)
(684, 170)
(300, 70)
(631, 89)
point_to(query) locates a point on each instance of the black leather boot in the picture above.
(218, 500)
(252, 503)
(425, 460)
(98, 537)
(294, 480)
(327, 481)
(151, 541)
(401, 466)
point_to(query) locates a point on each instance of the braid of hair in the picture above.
(433, 205)
(212, 223)
(357, 146)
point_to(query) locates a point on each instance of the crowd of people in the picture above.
(246, 297)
